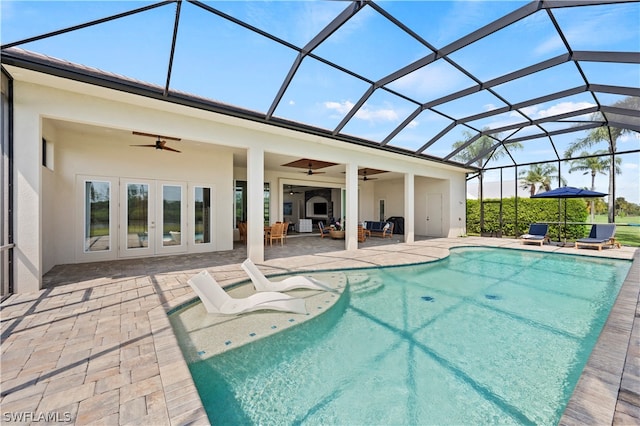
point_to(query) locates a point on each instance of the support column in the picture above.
(351, 234)
(27, 199)
(409, 207)
(255, 201)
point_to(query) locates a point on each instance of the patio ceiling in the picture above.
(429, 79)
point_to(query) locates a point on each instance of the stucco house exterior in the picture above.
(80, 180)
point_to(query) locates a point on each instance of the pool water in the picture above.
(484, 336)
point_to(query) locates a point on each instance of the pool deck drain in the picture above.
(96, 345)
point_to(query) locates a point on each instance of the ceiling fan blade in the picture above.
(155, 136)
(162, 145)
(168, 148)
(146, 146)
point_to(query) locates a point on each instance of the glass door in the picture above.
(171, 218)
(153, 217)
(138, 222)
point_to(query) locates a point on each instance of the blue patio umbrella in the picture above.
(568, 192)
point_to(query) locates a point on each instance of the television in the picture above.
(319, 209)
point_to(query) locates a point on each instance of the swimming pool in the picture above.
(484, 336)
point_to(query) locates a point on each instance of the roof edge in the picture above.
(59, 68)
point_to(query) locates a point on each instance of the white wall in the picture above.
(77, 154)
(453, 204)
(43, 200)
(392, 192)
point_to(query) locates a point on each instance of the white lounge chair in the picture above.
(262, 283)
(217, 301)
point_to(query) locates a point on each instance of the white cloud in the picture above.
(340, 107)
(384, 114)
(562, 108)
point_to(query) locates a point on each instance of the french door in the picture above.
(152, 217)
(129, 217)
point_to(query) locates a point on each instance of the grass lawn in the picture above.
(626, 233)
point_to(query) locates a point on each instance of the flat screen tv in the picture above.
(319, 209)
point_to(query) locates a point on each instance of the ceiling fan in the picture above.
(311, 172)
(161, 143)
(365, 178)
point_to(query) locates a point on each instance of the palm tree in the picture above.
(473, 153)
(540, 175)
(610, 135)
(594, 165)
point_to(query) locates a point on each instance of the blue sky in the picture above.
(220, 60)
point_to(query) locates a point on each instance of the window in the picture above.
(241, 202)
(171, 215)
(202, 215)
(138, 215)
(97, 218)
(47, 154)
(267, 203)
(381, 209)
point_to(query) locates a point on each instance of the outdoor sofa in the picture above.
(379, 229)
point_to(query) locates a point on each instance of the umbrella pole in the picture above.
(565, 222)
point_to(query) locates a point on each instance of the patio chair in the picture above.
(601, 234)
(538, 234)
(362, 234)
(242, 230)
(323, 231)
(262, 283)
(217, 301)
(276, 233)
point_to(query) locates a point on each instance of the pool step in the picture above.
(362, 283)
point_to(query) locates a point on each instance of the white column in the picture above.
(409, 207)
(255, 200)
(27, 160)
(351, 234)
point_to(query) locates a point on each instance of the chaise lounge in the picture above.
(538, 234)
(217, 301)
(262, 283)
(601, 234)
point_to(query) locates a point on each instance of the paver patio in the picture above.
(96, 347)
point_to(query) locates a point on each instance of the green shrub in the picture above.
(529, 211)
